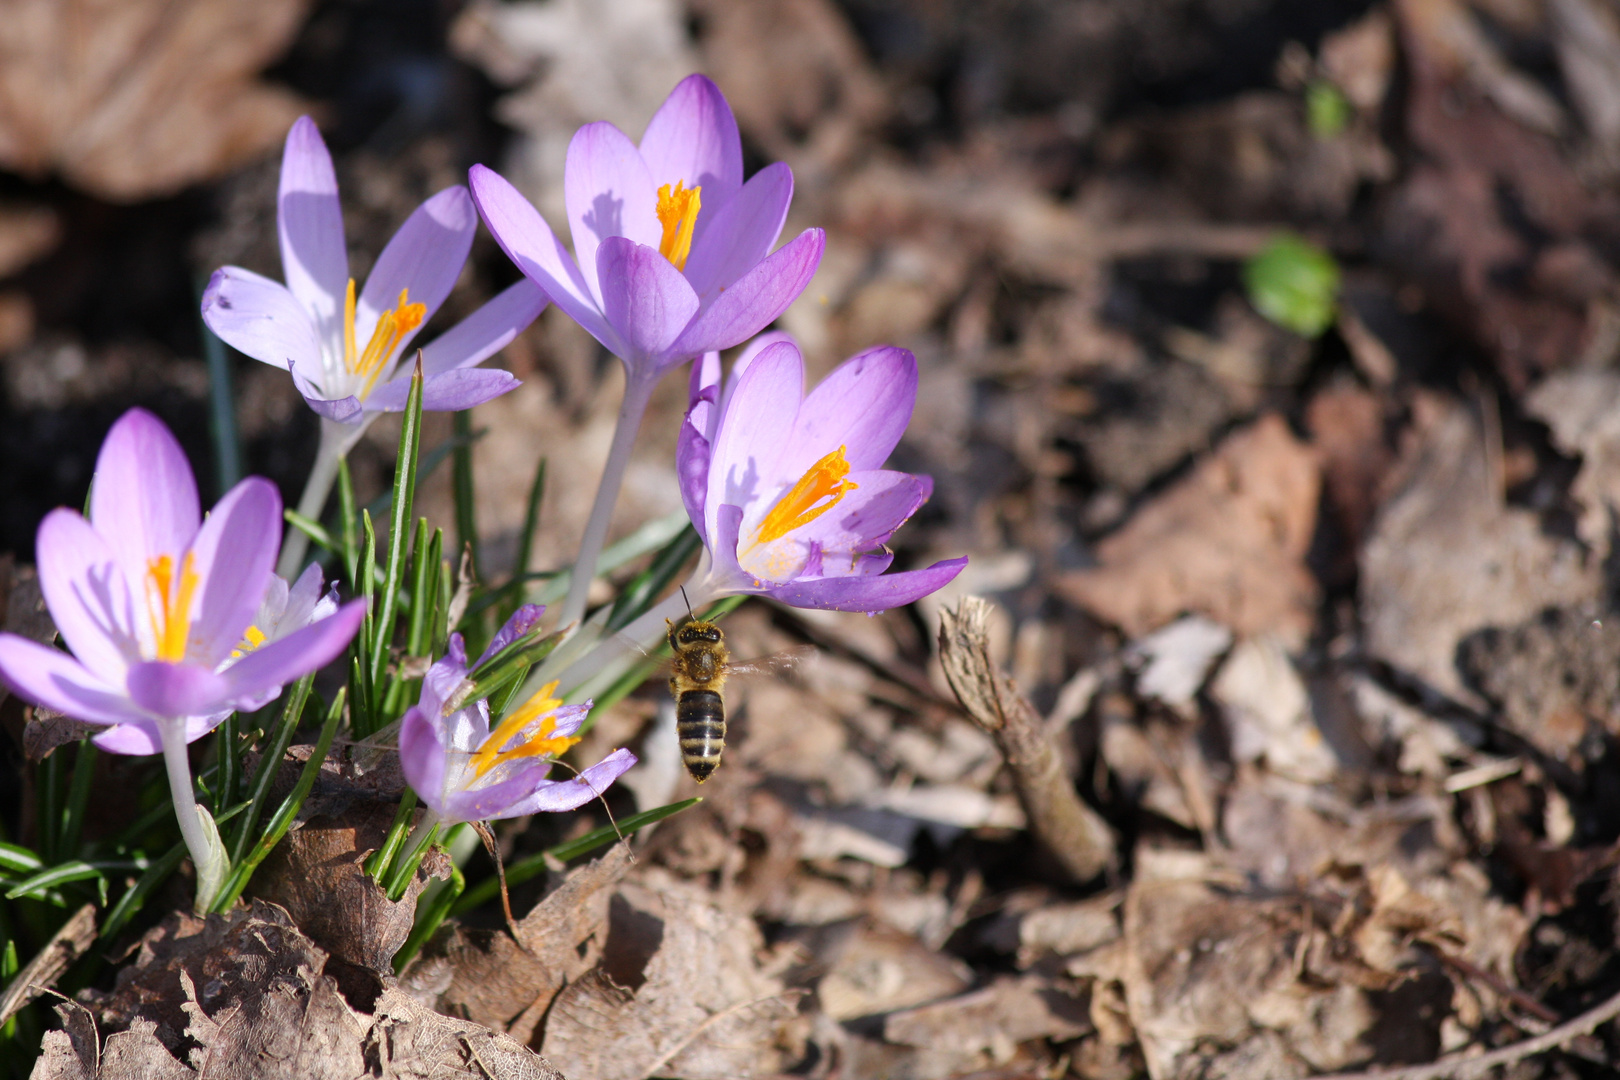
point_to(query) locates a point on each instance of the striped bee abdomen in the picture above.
(700, 723)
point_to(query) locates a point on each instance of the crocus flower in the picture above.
(463, 771)
(158, 603)
(788, 491)
(285, 610)
(672, 251)
(672, 257)
(344, 350)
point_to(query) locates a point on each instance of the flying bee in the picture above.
(697, 675)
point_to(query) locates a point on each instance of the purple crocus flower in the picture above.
(344, 350)
(788, 492)
(463, 771)
(158, 603)
(672, 251)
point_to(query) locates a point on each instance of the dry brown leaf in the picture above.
(678, 992)
(1446, 557)
(991, 1021)
(133, 99)
(246, 996)
(316, 873)
(1228, 542)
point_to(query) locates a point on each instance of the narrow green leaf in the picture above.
(16, 859)
(535, 865)
(134, 898)
(68, 872)
(312, 529)
(431, 911)
(285, 813)
(645, 588)
(381, 862)
(264, 776)
(410, 441)
(348, 524)
(461, 485)
(84, 771)
(512, 598)
(50, 804)
(221, 404)
(228, 750)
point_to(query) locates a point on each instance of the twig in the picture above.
(1067, 827)
(1463, 1067)
(68, 944)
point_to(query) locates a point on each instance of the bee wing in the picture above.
(774, 664)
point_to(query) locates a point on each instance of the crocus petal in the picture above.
(754, 300)
(608, 192)
(528, 241)
(692, 453)
(343, 410)
(175, 690)
(52, 678)
(742, 233)
(448, 391)
(646, 300)
(749, 354)
(750, 435)
(425, 256)
(496, 800)
(141, 737)
(303, 601)
(693, 138)
(309, 222)
(87, 594)
(870, 592)
(863, 406)
(144, 497)
(521, 622)
(261, 318)
(421, 758)
(486, 331)
(279, 662)
(235, 552)
(864, 518)
(574, 793)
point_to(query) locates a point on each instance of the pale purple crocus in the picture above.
(462, 770)
(347, 352)
(672, 256)
(157, 604)
(788, 492)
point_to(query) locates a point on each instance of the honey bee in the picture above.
(697, 675)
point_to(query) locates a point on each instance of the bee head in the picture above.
(696, 632)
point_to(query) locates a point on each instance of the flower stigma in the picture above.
(168, 604)
(678, 213)
(803, 503)
(392, 327)
(542, 742)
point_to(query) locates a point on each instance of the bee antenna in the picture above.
(689, 612)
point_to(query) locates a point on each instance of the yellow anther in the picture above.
(804, 503)
(252, 638)
(678, 214)
(168, 604)
(392, 327)
(542, 742)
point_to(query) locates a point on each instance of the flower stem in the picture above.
(637, 392)
(178, 765)
(336, 441)
(639, 637)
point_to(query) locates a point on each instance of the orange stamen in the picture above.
(678, 213)
(542, 742)
(803, 504)
(169, 606)
(392, 327)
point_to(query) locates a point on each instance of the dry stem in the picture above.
(1067, 827)
(1465, 1066)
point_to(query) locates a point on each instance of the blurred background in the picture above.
(1303, 548)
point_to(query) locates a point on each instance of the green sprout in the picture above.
(1327, 110)
(1295, 284)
